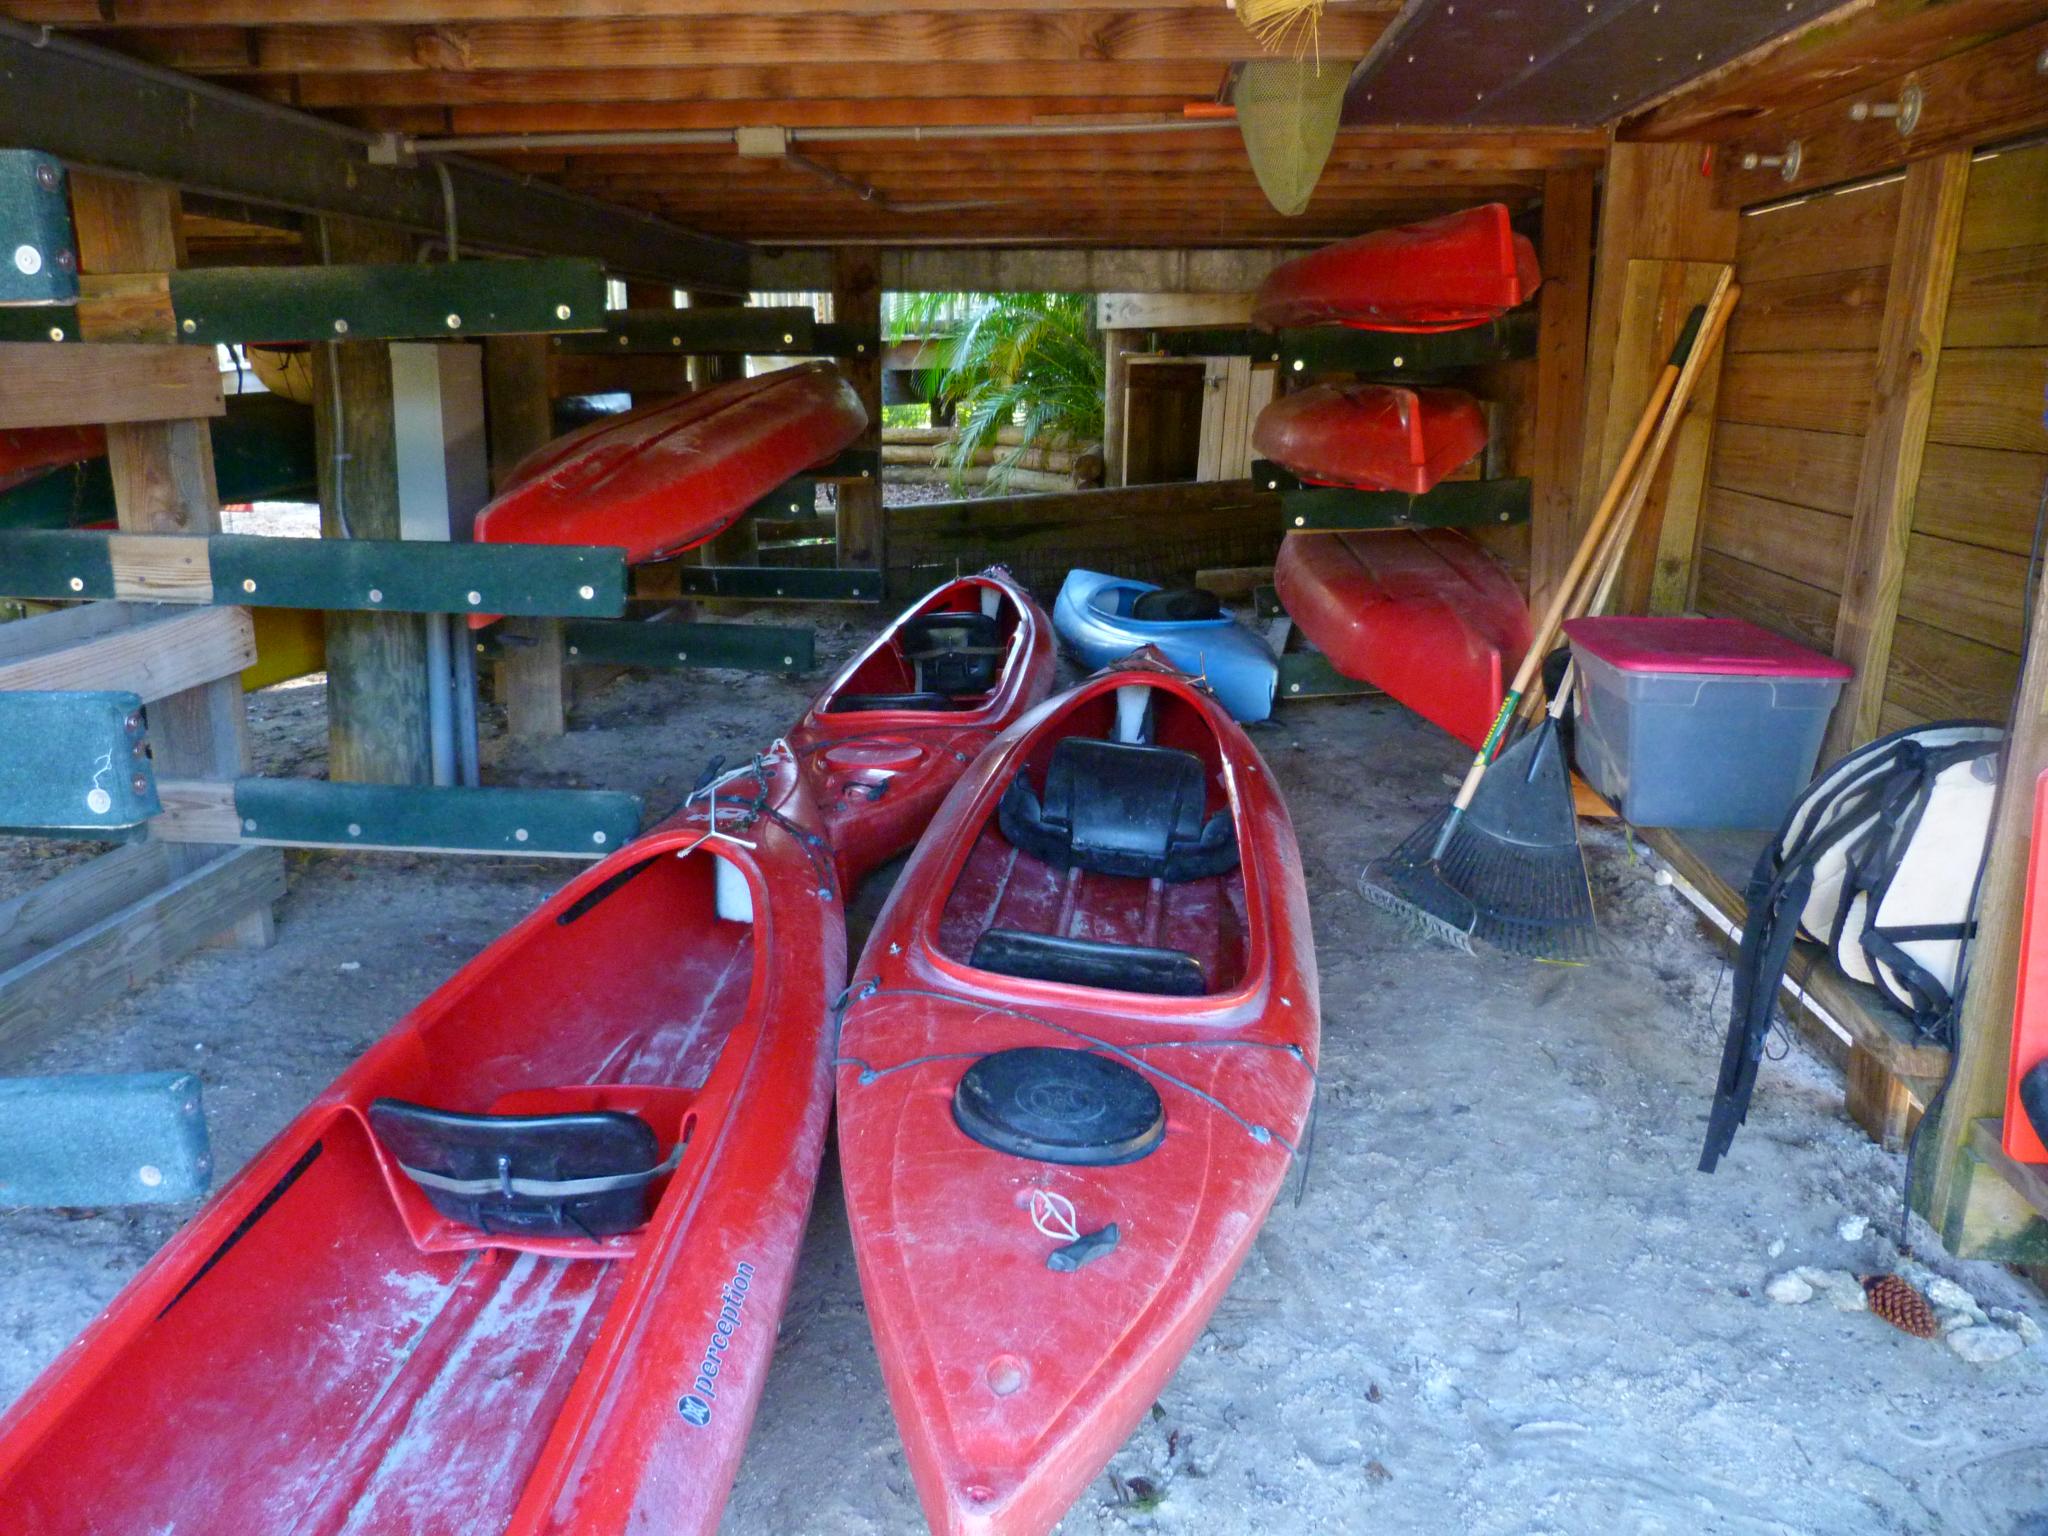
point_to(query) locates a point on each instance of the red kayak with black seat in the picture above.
(520, 1268)
(667, 477)
(1376, 437)
(898, 725)
(1075, 1069)
(1423, 613)
(1445, 274)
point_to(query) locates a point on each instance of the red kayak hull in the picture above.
(669, 476)
(26, 452)
(2030, 1012)
(878, 775)
(1377, 437)
(1425, 614)
(1012, 1383)
(1446, 274)
(318, 1351)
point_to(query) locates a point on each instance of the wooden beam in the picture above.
(128, 647)
(1908, 355)
(1977, 1087)
(863, 532)
(101, 929)
(1564, 305)
(517, 409)
(979, 35)
(1991, 92)
(61, 386)
(1165, 311)
(376, 662)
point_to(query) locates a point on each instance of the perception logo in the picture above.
(696, 1404)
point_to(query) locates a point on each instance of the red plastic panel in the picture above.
(2030, 1018)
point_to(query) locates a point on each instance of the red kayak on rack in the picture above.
(1443, 275)
(1077, 1063)
(665, 478)
(1425, 614)
(26, 452)
(898, 725)
(1377, 437)
(520, 1268)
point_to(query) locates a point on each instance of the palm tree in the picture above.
(1028, 360)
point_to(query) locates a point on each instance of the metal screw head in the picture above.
(98, 801)
(139, 783)
(455, 322)
(248, 823)
(624, 342)
(1299, 365)
(519, 834)
(341, 327)
(56, 333)
(248, 583)
(46, 177)
(788, 338)
(475, 598)
(188, 326)
(575, 650)
(597, 838)
(134, 721)
(586, 593)
(355, 829)
(77, 584)
(1400, 362)
(376, 594)
(150, 1175)
(561, 311)
(789, 661)
(64, 261)
(682, 655)
(28, 260)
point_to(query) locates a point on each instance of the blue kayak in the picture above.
(1103, 619)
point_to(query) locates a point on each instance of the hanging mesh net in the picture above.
(1287, 110)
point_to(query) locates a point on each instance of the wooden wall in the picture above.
(1797, 397)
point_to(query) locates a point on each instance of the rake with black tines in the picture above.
(1502, 863)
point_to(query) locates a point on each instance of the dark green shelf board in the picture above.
(1309, 675)
(1344, 349)
(786, 583)
(741, 647)
(75, 762)
(1451, 504)
(575, 823)
(740, 331)
(388, 301)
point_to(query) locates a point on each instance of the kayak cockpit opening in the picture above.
(947, 658)
(1111, 859)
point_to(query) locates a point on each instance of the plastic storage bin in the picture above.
(1698, 722)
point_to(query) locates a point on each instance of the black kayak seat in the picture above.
(857, 703)
(953, 653)
(584, 1174)
(1089, 963)
(1113, 808)
(1177, 605)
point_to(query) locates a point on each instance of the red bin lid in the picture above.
(1728, 647)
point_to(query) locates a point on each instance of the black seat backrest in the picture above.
(953, 653)
(573, 1175)
(1177, 605)
(856, 703)
(1119, 809)
(1089, 963)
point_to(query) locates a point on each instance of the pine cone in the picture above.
(1894, 1299)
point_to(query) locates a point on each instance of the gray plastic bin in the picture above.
(1698, 722)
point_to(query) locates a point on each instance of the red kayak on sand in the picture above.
(1424, 613)
(665, 478)
(26, 452)
(1443, 275)
(1077, 1063)
(1377, 437)
(898, 725)
(520, 1268)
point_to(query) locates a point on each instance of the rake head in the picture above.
(1511, 873)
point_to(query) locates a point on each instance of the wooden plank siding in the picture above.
(1962, 612)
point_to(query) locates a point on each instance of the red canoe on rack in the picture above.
(1425, 614)
(26, 452)
(1463, 269)
(669, 476)
(365, 1332)
(1378, 437)
(897, 727)
(1077, 1065)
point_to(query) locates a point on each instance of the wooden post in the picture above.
(520, 416)
(376, 662)
(1983, 1047)
(857, 309)
(164, 483)
(1654, 204)
(1564, 302)
(1116, 376)
(1908, 354)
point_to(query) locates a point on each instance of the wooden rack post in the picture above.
(857, 313)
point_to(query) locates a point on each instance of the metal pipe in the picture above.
(658, 138)
(465, 702)
(440, 701)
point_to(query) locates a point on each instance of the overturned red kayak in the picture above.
(520, 1268)
(1425, 614)
(669, 476)
(1076, 1068)
(1443, 275)
(26, 452)
(894, 730)
(1378, 437)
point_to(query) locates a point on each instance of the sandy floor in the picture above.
(1505, 1304)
